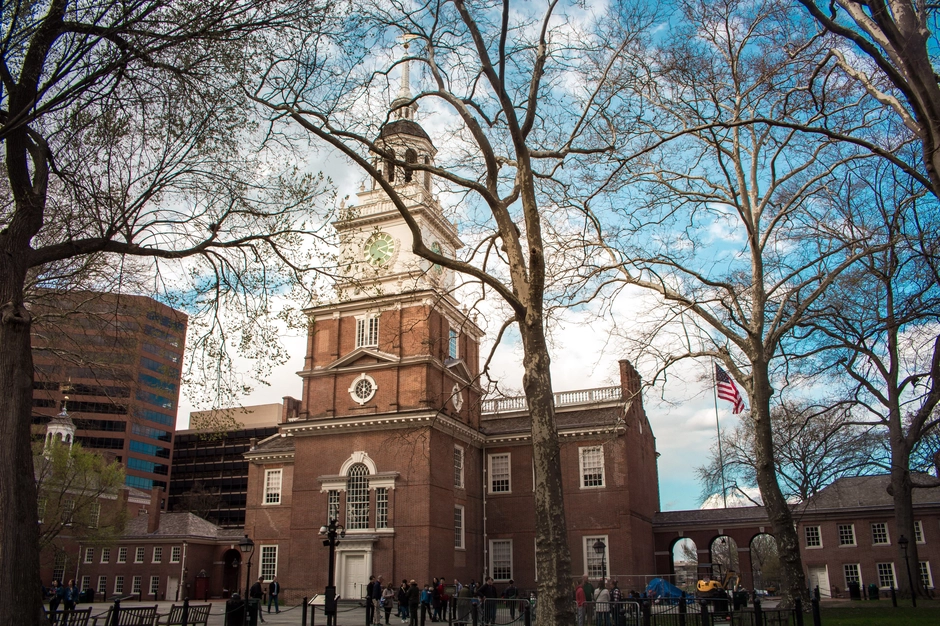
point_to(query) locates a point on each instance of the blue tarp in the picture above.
(660, 588)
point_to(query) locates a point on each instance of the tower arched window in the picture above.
(410, 157)
(427, 175)
(357, 497)
(390, 166)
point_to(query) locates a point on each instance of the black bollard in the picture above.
(116, 613)
(303, 612)
(798, 609)
(646, 614)
(894, 597)
(683, 609)
(185, 616)
(424, 612)
(527, 614)
(817, 619)
(474, 613)
(758, 611)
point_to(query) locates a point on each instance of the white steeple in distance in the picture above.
(61, 428)
(402, 107)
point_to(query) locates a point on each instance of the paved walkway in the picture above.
(349, 615)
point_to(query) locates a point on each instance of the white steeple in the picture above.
(402, 107)
(60, 429)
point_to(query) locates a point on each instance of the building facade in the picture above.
(210, 472)
(390, 435)
(114, 362)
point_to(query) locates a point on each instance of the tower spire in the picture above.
(402, 106)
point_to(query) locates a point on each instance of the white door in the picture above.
(172, 589)
(354, 566)
(819, 577)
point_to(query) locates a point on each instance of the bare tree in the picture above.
(726, 221)
(877, 328)
(127, 149)
(813, 447)
(527, 102)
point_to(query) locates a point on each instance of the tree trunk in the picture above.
(19, 526)
(553, 557)
(908, 571)
(778, 510)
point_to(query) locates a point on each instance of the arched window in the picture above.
(427, 175)
(357, 497)
(390, 166)
(410, 157)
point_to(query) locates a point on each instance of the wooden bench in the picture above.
(76, 617)
(129, 616)
(198, 614)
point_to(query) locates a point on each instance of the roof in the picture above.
(742, 514)
(864, 491)
(275, 444)
(404, 127)
(183, 524)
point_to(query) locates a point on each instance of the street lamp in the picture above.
(330, 534)
(599, 548)
(247, 546)
(902, 541)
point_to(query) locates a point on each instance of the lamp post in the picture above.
(247, 546)
(330, 534)
(902, 541)
(599, 548)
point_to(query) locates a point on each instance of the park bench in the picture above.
(129, 616)
(198, 614)
(77, 617)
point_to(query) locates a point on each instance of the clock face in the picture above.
(380, 248)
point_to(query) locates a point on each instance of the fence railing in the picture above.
(562, 398)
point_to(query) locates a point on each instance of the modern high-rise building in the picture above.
(210, 472)
(113, 362)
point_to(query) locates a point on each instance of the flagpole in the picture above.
(721, 458)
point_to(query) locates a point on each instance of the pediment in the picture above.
(459, 368)
(363, 356)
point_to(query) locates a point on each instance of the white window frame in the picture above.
(266, 567)
(492, 559)
(812, 537)
(453, 343)
(86, 583)
(459, 528)
(122, 555)
(459, 460)
(139, 554)
(102, 587)
(89, 555)
(105, 555)
(919, 532)
(926, 576)
(583, 454)
(367, 331)
(118, 584)
(332, 505)
(894, 576)
(137, 584)
(157, 554)
(858, 571)
(490, 476)
(155, 586)
(176, 554)
(883, 526)
(850, 529)
(381, 507)
(272, 493)
(95, 515)
(587, 548)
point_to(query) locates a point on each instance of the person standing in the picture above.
(510, 593)
(616, 604)
(602, 604)
(377, 601)
(273, 590)
(580, 601)
(414, 599)
(69, 598)
(488, 596)
(369, 588)
(56, 599)
(388, 598)
(257, 593)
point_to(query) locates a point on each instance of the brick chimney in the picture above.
(629, 381)
(156, 502)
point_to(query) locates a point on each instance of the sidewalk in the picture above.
(348, 615)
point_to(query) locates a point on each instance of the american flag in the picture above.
(727, 390)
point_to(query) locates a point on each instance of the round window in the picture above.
(363, 388)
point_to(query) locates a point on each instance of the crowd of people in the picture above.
(65, 596)
(605, 604)
(436, 599)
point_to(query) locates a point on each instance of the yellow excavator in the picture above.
(717, 592)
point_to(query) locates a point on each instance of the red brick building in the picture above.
(390, 435)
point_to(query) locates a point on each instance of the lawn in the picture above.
(881, 613)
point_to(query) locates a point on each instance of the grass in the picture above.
(880, 613)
